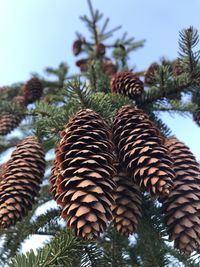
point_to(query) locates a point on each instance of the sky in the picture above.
(35, 34)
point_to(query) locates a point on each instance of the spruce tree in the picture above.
(124, 186)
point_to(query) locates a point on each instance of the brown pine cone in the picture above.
(140, 149)
(8, 122)
(108, 68)
(127, 83)
(21, 181)
(19, 101)
(85, 157)
(181, 207)
(82, 64)
(32, 90)
(77, 47)
(148, 75)
(177, 68)
(128, 201)
(100, 49)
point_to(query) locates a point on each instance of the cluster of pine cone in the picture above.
(32, 91)
(107, 66)
(20, 181)
(98, 176)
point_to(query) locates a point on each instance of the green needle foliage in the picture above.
(62, 97)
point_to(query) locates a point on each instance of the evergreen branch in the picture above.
(175, 106)
(188, 39)
(94, 20)
(75, 85)
(156, 94)
(63, 250)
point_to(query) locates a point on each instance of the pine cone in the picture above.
(100, 49)
(148, 75)
(8, 122)
(141, 152)
(19, 101)
(182, 206)
(77, 47)
(32, 90)
(82, 64)
(21, 181)
(196, 117)
(128, 201)
(177, 68)
(108, 68)
(85, 187)
(127, 83)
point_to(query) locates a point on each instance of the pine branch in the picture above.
(63, 250)
(188, 39)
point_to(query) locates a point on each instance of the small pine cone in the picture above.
(177, 68)
(32, 90)
(181, 207)
(126, 83)
(82, 64)
(21, 181)
(77, 47)
(100, 49)
(8, 122)
(108, 68)
(196, 117)
(85, 187)
(149, 73)
(19, 101)
(140, 149)
(128, 201)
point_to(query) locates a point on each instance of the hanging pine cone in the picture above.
(140, 150)
(177, 68)
(19, 101)
(21, 181)
(8, 122)
(128, 201)
(77, 47)
(108, 68)
(182, 205)
(85, 157)
(32, 90)
(196, 117)
(100, 49)
(82, 64)
(127, 83)
(148, 75)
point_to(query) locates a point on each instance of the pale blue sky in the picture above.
(39, 33)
